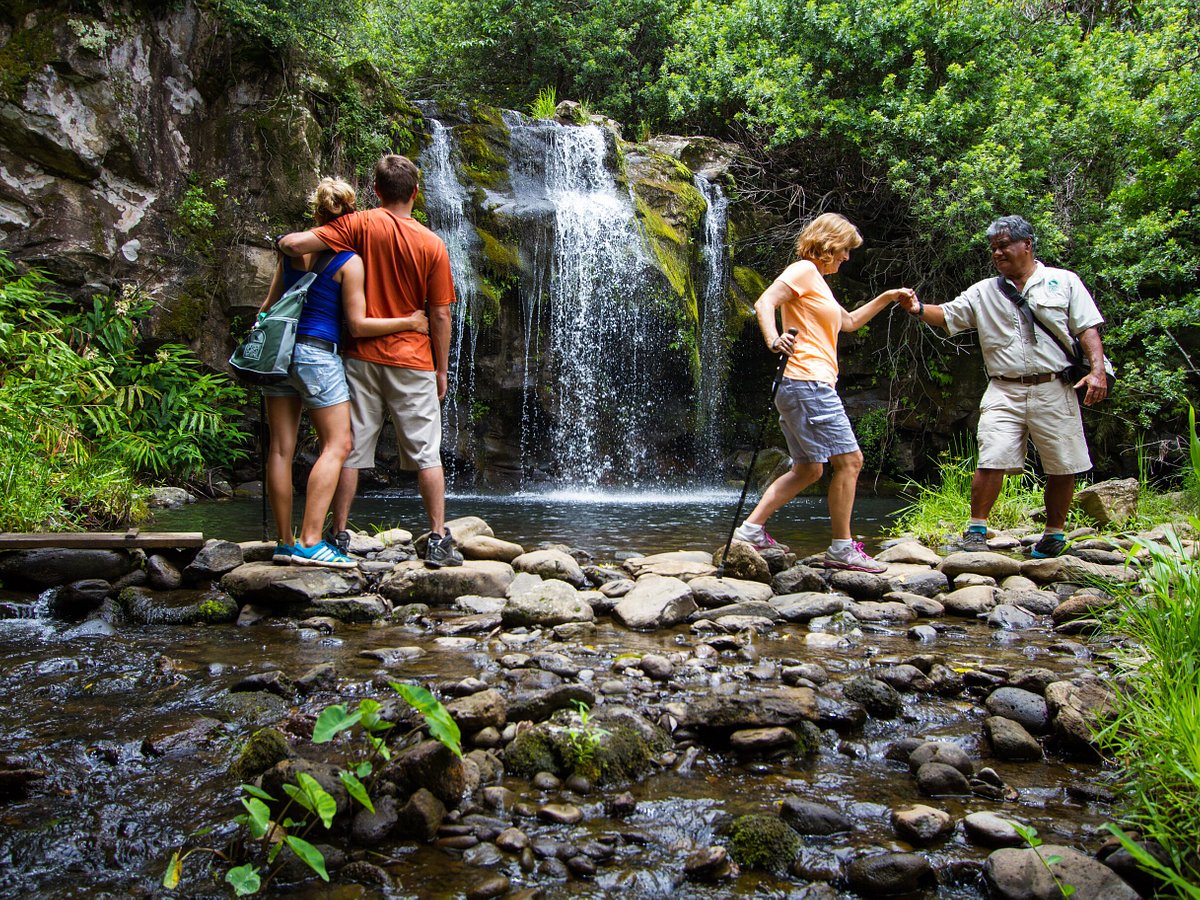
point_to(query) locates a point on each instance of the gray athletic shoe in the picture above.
(973, 541)
(853, 559)
(440, 552)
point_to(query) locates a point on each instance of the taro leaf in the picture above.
(371, 719)
(309, 794)
(259, 821)
(363, 769)
(257, 792)
(356, 789)
(332, 720)
(244, 879)
(174, 872)
(310, 854)
(441, 726)
(378, 745)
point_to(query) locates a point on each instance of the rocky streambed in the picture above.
(639, 725)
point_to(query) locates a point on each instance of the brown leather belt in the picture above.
(1028, 379)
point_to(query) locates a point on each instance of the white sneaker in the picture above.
(854, 558)
(756, 536)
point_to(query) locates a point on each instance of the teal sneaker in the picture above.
(323, 554)
(283, 554)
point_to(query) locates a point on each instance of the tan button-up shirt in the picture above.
(1012, 345)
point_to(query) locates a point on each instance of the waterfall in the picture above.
(446, 203)
(712, 323)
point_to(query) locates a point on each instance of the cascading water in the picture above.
(710, 393)
(590, 281)
(446, 204)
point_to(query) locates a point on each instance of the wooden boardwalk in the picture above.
(100, 540)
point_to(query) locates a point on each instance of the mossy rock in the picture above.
(808, 738)
(619, 751)
(763, 842)
(27, 52)
(483, 148)
(266, 747)
(531, 752)
(218, 607)
(499, 258)
(748, 284)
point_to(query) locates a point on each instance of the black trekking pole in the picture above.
(762, 427)
(262, 458)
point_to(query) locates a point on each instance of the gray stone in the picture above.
(1075, 571)
(880, 699)
(162, 574)
(391, 657)
(807, 817)
(371, 828)
(1010, 618)
(936, 779)
(1038, 873)
(551, 564)
(412, 582)
(466, 527)
(656, 601)
(969, 601)
(941, 752)
(889, 613)
(860, 585)
(1040, 603)
(926, 607)
(560, 813)
(548, 603)
(889, 873)
(1024, 707)
(744, 709)
(1078, 709)
(51, 566)
(421, 817)
(1110, 502)
(657, 667)
(362, 609)
(762, 740)
(1010, 740)
(286, 585)
(924, 583)
(711, 592)
(995, 565)
(989, 829)
(798, 580)
(166, 497)
(909, 552)
(475, 712)
(683, 564)
(213, 560)
(805, 607)
(486, 547)
(744, 562)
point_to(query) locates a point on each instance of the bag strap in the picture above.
(1018, 299)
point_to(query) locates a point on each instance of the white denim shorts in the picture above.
(1011, 414)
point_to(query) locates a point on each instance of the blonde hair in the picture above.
(826, 235)
(332, 198)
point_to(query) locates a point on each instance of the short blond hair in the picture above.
(332, 198)
(826, 235)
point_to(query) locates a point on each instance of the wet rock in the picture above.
(743, 562)
(560, 814)
(909, 552)
(926, 607)
(80, 597)
(989, 829)
(1078, 709)
(889, 873)
(286, 585)
(359, 871)
(763, 842)
(546, 781)
(618, 806)
(711, 592)
(755, 741)
(551, 564)
(273, 682)
(777, 559)
(1109, 502)
(288, 770)
(800, 580)
(432, 766)
(682, 564)
(655, 602)
(495, 884)
(887, 613)
(657, 667)
(16, 781)
(363, 609)
(809, 818)
(708, 865)
(321, 677)
(940, 780)
(880, 699)
(411, 582)
(421, 816)
(1010, 618)
(162, 574)
(512, 840)
(805, 607)
(1024, 707)
(213, 560)
(927, 583)
(741, 709)
(392, 657)
(370, 828)
(169, 498)
(969, 601)
(485, 709)
(1040, 603)
(922, 633)
(1075, 571)
(921, 825)
(1080, 606)
(988, 783)
(51, 566)
(810, 672)
(581, 866)
(1131, 872)
(545, 604)
(618, 588)
(859, 585)
(969, 579)
(476, 606)
(1031, 873)
(756, 609)
(945, 680)
(905, 678)
(486, 547)
(995, 565)
(1010, 740)
(941, 752)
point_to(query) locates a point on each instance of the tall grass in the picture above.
(939, 511)
(1155, 736)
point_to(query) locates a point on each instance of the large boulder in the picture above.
(994, 565)
(809, 605)
(551, 564)
(413, 582)
(970, 601)
(733, 711)
(1110, 502)
(213, 560)
(1078, 709)
(280, 585)
(684, 564)
(656, 601)
(1039, 873)
(712, 592)
(544, 604)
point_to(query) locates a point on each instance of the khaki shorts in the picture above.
(410, 395)
(1048, 414)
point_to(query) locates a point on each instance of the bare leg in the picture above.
(985, 488)
(431, 484)
(783, 489)
(333, 430)
(283, 419)
(1060, 490)
(842, 488)
(343, 498)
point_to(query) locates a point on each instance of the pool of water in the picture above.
(603, 524)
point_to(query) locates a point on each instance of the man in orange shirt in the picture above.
(392, 364)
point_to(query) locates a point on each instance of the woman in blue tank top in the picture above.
(316, 382)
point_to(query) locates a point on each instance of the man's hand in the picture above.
(1097, 387)
(907, 299)
(443, 384)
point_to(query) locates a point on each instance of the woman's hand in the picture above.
(785, 344)
(418, 321)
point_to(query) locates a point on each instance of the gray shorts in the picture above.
(410, 396)
(814, 421)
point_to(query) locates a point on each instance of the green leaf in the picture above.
(309, 794)
(244, 879)
(310, 854)
(332, 720)
(363, 769)
(442, 727)
(1066, 889)
(174, 872)
(257, 792)
(260, 816)
(356, 789)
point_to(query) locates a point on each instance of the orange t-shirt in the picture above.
(406, 268)
(817, 317)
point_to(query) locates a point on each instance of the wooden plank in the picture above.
(101, 540)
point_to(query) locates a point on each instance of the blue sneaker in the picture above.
(1050, 546)
(323, 554)
(283, 554)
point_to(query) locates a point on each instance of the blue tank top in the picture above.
(322, 315)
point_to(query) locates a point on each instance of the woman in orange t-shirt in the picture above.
(811, 414)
